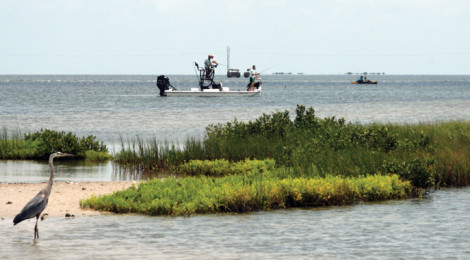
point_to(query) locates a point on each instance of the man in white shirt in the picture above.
(209, 65)
(253, 77)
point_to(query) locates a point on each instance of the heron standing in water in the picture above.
(37, 204)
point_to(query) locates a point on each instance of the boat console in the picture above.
(206, 78)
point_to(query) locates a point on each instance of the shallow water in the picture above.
(432, 228)
(28, 171)
(115, 107)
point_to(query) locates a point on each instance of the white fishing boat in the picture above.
(207, 87)
(223, 91)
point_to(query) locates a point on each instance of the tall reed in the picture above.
(13, 146)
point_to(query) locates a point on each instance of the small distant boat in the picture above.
(365, 82)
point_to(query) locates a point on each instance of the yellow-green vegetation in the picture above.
(246, 186)
(40, 144)
(218, 168)
(94, 156)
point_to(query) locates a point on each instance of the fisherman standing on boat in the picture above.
(253, 77)
(209, 65)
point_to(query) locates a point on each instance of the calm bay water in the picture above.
(111, 107)
(114, 107)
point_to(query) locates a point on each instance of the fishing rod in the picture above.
(195, 71)
(269, 67)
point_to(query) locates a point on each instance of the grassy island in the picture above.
(40, 144)
(276, 162)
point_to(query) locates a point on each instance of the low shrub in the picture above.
(41, 144)
(418, 171)
(51, 140)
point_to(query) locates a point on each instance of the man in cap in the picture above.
(209, 65)
(253, 77)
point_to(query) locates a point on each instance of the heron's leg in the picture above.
(36, 231)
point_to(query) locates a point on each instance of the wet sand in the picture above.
(65, 197)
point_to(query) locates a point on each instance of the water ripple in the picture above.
(436, 227)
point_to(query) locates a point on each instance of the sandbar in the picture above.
(65, 197)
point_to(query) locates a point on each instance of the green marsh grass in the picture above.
(312, 146)
(156, 156)
(13, 146)
(275, 162)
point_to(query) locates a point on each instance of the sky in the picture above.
(152, 37)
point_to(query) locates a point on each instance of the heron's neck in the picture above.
(51, 179)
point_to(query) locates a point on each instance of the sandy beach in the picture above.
(65, 197)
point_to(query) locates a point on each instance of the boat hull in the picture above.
(211, 94)
(225, 92)
(369, 82)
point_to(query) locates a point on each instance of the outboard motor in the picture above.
(163, 83)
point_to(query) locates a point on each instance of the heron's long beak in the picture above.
(65, 154)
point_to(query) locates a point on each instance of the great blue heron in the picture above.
(37, 204)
